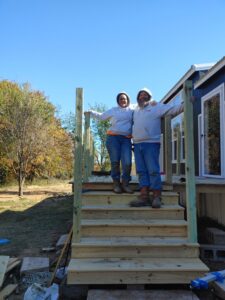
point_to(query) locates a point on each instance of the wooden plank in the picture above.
(172, 212)
(134, 277)
(168, 150)
(7, 291)
(122, 241)
(134, 250)
(61, 241)
(137, 264)
(110, 198)
(13, 263)
(3, 266)
(78, 165)
(66, 244)
(86, 146)
(103, 294)
(31, 264)
(129, 271)
(190, 164)
(219, 289)
(129, 227)
(107, 186)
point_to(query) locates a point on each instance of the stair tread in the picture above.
(132, 222)
(111, 193)
(136, 264)
(134, 241)
(127, 207)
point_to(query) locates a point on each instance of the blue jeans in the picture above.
(119, 148)
(147, 165)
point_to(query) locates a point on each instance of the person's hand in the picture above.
(153, 103)
(86, 113)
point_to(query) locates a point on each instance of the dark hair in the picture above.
(123, 93)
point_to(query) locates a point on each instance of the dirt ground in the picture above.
(35, 221)
(38, 219)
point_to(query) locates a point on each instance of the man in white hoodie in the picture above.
(146, 133)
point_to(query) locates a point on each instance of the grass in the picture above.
(35, 221)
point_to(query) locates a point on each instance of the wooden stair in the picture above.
(125, 245)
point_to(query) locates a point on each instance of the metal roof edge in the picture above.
(193, 68)
(219, 65)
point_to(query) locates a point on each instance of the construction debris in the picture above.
(34, 264)
(3, 267)
(215, 236)
(13, 263)
(8, 290)
(36, 291)
(41, 278)
(219, 289)
(48, 249)
(62, 240)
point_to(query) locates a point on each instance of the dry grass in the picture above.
(35, 221)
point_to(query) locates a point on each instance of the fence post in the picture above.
(168, 150)
(92, 159)
(189, 162)
(87, 146)
(78, 166)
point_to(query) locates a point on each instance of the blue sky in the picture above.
(106, 46)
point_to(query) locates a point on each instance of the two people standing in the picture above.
(143, 121)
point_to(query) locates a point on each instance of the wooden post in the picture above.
(178, 152)
(87, 147)
(78, 166)
(92, 154)
(168, 150)
(189, 162)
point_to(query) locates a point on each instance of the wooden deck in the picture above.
(125, 245)
(203, 184)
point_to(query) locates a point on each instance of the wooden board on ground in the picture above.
(8, 290)
(3, 266)
(62, 240)
(34, 264)
(219, 289)
(13, 262)
(141, 295)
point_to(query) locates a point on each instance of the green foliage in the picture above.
(68, 123)
(99, 129)
(32, 141)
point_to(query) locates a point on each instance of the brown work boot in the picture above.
(156, 201)
(117, 187)
(126, 188)
(143, 199)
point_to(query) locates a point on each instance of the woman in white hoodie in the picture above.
(118, 141)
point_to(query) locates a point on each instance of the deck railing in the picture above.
(189, 159)
(84, 160)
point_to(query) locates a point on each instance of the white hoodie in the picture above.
(147, 121)
(119, 117)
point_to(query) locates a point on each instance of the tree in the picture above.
(99, 129)
(27, 123)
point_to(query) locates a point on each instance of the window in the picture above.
(177, 125)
